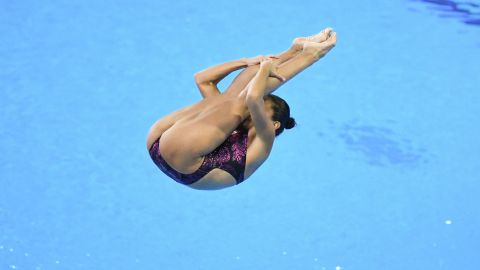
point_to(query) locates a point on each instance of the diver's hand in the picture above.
(258, 59)
(267, 65)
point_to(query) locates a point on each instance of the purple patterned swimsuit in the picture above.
(230, 156)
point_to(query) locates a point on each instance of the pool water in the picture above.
(380, 173)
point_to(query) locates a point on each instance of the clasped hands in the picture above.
(266, 64)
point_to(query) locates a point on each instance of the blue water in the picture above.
(380, 173)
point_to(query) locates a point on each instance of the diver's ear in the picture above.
(276, 124)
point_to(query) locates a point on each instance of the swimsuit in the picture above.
(230, 156)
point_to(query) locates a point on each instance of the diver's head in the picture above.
(279, 111)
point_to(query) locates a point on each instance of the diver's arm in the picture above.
(256, 105)
(208, 79)
(208, 89)
(213, 75)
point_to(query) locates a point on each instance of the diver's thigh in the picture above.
(242, 80)
(186, 113)
(183, 144)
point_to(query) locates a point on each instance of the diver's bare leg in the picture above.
(311, 53)
(241, 81)
(246, 75)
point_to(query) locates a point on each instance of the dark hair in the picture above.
(281, 113)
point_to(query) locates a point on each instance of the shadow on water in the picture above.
(380, 145)
(467, 11)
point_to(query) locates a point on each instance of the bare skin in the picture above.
(188, 134)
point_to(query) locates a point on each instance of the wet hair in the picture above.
(281, 113)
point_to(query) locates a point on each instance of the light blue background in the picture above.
(385, 153)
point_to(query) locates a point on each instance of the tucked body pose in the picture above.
(221, 140)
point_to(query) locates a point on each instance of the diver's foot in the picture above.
(318, 50)
(320, 37)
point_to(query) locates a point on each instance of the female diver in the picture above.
(221, 140)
